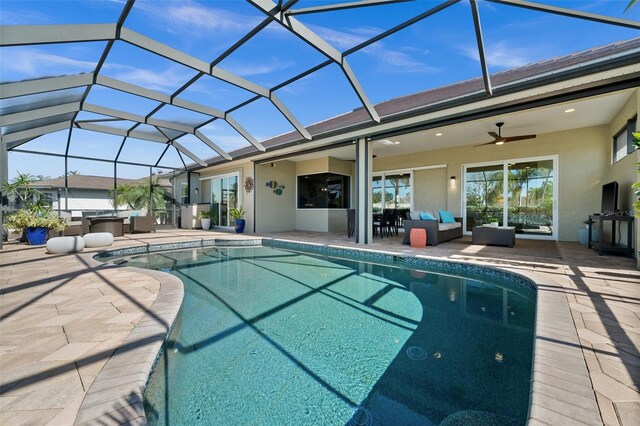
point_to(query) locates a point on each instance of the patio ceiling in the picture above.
(97, 101)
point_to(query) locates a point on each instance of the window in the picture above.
(623, 143)
(396, 194)
(323, 191)
(184, 194)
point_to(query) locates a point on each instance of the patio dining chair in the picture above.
(385, 223)
(351, 222)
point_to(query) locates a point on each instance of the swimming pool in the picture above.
(272, 336)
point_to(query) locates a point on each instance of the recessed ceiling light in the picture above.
(388, 142)
(569, 110)
(438, 134)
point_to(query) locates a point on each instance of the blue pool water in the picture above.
(269, 336)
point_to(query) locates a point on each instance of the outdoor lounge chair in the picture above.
(142, 224)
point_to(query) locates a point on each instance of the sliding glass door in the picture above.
(224, 197)
(530, 197)
(518, 193)
(484, 188)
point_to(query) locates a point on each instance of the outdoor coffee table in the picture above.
(492, 235)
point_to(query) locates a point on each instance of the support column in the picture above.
(4, 177)
(364, 161)
(151, 206)
(66, 182)
(115, 188)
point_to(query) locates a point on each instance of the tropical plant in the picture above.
(207, 214)
(20, 187)
(136, 196)
(237, 213)
(35, 216)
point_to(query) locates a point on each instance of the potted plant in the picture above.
(205, 218)
(238, 219)
(35, 222)
(35, 219)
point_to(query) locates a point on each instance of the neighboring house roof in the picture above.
(83, 182)
(433, 99)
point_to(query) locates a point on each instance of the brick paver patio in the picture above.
(62, 318)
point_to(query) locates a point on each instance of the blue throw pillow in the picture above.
(446, 217)
(426, 216)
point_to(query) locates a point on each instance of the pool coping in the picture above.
(561, 389)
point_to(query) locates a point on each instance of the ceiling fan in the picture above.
(499, 139)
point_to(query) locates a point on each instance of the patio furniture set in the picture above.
(116, 226)
(440, 226)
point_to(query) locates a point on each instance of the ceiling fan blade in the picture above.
(487, 143)
(519, 138)
(495, 135)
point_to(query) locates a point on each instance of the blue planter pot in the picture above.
(37, 236)
(239, 225)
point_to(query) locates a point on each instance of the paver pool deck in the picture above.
(63, 318)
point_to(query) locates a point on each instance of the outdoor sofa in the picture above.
(437, 232)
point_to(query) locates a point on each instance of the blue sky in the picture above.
(436, 51)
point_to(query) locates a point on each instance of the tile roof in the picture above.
(83, 182)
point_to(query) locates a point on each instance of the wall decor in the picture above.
(248, 184)
(277, 189)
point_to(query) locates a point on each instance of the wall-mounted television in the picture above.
(609, 198)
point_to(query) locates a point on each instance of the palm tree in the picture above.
(136, 196)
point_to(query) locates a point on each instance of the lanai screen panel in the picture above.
(49, 60)
(38, 12)
(215, 93)
(330, 91)
(223, 135)
(515, 37)
(203, 29)
(86, 143)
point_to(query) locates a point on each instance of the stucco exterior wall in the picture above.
(430, 189)
(275, 212)
(84, 200)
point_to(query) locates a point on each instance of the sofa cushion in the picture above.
(415, 215)
(436, 214)
(447, 226)
(427, 216)
(446, 217)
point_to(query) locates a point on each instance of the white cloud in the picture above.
(338, 39)
(399, 62)
(196, 18)
(24, 17)
(388, 60)
(29, 62)
(261, 66)
(501, 55)
(168, 80)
